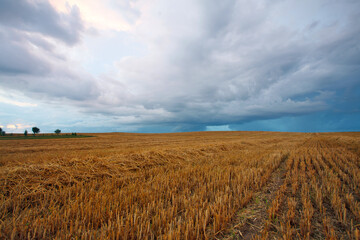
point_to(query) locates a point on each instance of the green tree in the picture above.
(35, 130)
(25, 133)
(57, 131)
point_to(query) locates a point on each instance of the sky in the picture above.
(174, 66)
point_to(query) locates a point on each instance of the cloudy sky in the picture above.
(170, 66)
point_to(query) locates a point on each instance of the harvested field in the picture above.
(206, 185)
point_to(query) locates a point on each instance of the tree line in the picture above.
(35, 130)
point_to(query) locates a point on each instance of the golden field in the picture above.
(206, 185)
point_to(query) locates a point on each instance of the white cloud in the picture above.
(17, 103)
(11, 126)
(17, 127)
(218, 128)
(113, 15)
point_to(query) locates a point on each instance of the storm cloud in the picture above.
(192, 64)
(38, 16)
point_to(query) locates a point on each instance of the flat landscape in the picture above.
(202, 185)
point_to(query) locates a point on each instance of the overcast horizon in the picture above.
(176, 66)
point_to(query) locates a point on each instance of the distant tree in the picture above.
(35, 130)
(57, 131)
(2, 133)
(73, 134)
(0, 129)
(25, 133)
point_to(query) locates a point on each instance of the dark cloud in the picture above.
(315, 122)
(229, 63)
(30, 34)
(246, 66)
(18, 56)
(40, 17)
(39, 72)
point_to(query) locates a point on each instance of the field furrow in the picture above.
(211, 185)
